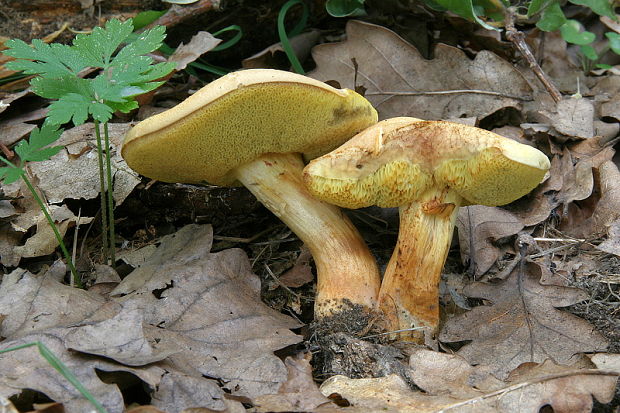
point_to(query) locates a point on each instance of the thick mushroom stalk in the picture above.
(253, 127)
(409, 295)
(346, 271)
(428, 169)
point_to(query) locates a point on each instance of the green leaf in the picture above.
(614, 41)
(145, 18)
(100, 111)
(71, 106)
(54, 60)
(10, 174)
(55, 88)
(571, 32)
(600, 7)
(98, 47)
(145, 43)
(589, 52)
(35, 149)
(464, 8)
(344, 8)
(552, 18)
(124, 107)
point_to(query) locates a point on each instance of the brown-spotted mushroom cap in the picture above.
(237, 118)
(252, 127)
(428, 169)
(396, 160)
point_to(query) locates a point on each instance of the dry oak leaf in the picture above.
(27, 369)
(35, 303)
(521, 324)
(200, 44)
(74, 172)
(479, 227)
(208, 306)
(400, 82)
(567, 389)
(299, 393)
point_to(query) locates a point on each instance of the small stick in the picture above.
(178, 14)
(518, 39)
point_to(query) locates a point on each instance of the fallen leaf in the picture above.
(74, 173)
(27, 369)
(199, 44)
(193, 317)
(34, 303)
(479, 228)
(400, 82)
(450, 384)
(521, 324)
(210, 307)
(612, 244)
(299, 393)
(606, 210)
(301, 273)
(573, 118)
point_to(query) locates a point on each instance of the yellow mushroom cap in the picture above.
(395, 161)
(239, 117)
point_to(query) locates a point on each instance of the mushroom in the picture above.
(252, 127)
(428, 169)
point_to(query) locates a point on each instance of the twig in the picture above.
(570, 240)
(448, 92)
(280, 283)
(518, 39)
(542, 379)
(178, 14)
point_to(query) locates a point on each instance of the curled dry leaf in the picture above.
(74, 172)
(450, 384)
(521, 324)
(27, 369)
(299, 393)
(606, 210)
(400, 82)
(208, 306)
(190, 316)
(200, 44)
(479, 227)
(573, 118)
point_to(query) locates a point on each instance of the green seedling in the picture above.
(123, 75)
(60, 367)
(35, 150)
(547, 14)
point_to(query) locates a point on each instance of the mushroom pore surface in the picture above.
(195, 142)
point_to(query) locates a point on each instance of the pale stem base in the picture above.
(346, 270)
(409, 295)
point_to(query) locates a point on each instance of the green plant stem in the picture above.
(60, 367)
(110, 186)
(63, 248)
(102, 188)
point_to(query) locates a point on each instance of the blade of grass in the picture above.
(286, 44)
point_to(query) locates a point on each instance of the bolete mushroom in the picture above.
(252, 127)
(428, 169)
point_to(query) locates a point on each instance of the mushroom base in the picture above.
(409, 296)
(346, 270)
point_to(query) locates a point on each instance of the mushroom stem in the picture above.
(409, 295)
(346, 270)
